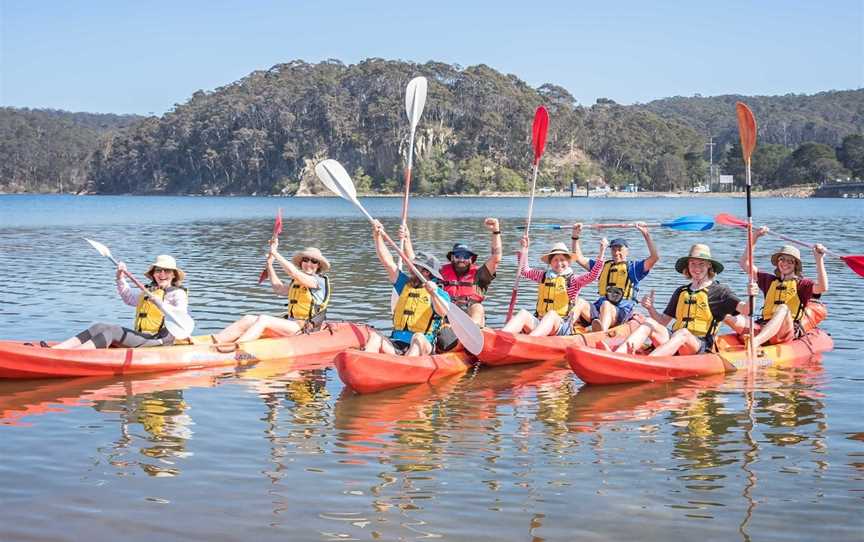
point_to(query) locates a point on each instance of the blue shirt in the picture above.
(404, 336)
(635, 272)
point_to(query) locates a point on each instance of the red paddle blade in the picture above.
(728, 220)
(855, 263)
(277, 226)
(541, 126)
(746, 129)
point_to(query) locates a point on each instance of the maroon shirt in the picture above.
(805, 286)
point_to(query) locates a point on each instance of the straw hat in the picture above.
(700, 252)
(462, 247)
(311, 252)
(429, 263)
(166, 262)
(788, 250)
(557, 248)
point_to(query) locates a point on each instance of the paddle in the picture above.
(747, 133)
(854, 262)
(682, 223)
(415, 100)
(180, 325)
(337, 180)
(538, 138)
(277, 229)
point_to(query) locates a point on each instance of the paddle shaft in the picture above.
(407, 193)
(515, 293)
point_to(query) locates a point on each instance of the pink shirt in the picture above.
(574, 282)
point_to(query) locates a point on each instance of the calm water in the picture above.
(283, 451)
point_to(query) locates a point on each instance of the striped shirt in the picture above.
(574, 282)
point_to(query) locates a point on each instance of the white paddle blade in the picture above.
(100, 248)
(336, 179)
(415, 100)
(465, 329)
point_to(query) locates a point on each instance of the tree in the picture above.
(851, 154)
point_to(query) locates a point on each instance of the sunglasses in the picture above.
(305, 259)
(162, 270)
(786, 259)
(461, 256)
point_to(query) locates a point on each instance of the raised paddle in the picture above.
(277, 229)
(180, 325)
(538, 139)
(683, 223)
(747, 133)
(337, 180)
(854, 262)
(415, 100)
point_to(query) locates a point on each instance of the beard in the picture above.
(461, 267)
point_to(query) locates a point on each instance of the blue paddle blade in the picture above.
(543, 227)
(691, 223)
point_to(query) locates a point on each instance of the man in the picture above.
(619, 280)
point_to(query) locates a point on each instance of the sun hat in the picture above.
(699, 252)
(429, 263)
(557, 248)
(311, 252)
(619, 242)
(788, 250)
(166, 262)
(461, 247)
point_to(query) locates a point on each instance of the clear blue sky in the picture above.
(125, 56)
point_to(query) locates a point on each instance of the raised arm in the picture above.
(384, 255)
(821, 285)
(576, 247)
(495, 249)
(743, 260)
(653, 255)
(126, 294)
(577, 283)
(529, 273)
(297, 274)
(405, 234)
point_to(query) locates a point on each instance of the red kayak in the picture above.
(596, 366)
(366, 372)
(503, 348)
(22, 360)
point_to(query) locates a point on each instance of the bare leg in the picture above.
(280, 326)
(608, 314)
(780, 324)
(739, 323)
(477, 313)
(235, 330)
(420, 346)
(549, 325)
(680, 340)
(523, 322)
(373, 343)
(649, 329)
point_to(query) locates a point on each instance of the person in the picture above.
(558, 300)
(619, 280)
(697, 308)
(149, 326)
(790, 308)
(308, 294)
(420, 309)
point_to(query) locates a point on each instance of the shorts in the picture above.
(399, 346)
(446, 340)
(624, 310)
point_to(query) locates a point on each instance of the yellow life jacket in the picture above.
(783, 292)
(413, 310)
(301, 303)
(694, 313)
(552, 295)
(148, 317)
(615, 274)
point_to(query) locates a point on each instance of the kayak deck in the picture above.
(367, 372)
(18, 360)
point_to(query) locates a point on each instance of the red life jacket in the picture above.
(461, 289)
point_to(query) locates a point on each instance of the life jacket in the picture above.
(461, 289)
(413, 311)
(552, 294)
(148, 317)
(694, 313)
(615, 274)
(783, 292)
(301, 303)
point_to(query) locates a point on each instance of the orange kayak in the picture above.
(596, 366)
(20, 360)
(366, 372)
(503, 348)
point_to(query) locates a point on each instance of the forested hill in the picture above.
(264, 133)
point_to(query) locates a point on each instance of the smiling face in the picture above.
(699, 269)
(559, 263)
(786, 265)
(309, 265)
(461, 262)
(163, 277)
(619, 253)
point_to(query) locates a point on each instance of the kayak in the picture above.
(503, 348)
(23, 360)
(367, 372)
(595, 366)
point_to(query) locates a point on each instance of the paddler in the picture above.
(619, 279)
(558, 302)
(166, 283)
(420, 309)
(308, 294)
(697, 309)
(791, 308)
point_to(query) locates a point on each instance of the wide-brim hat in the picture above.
(557, 248)
(787, 250)
(429, 263)
(166, 262)
(311, 252)
(699, 252)
(462, 247)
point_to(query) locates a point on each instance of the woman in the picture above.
(790, 308)
(557, 294)
(149, 327)
(308, 294)
(697, 308)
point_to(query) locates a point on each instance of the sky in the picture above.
(122, 56)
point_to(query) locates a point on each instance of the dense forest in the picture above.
(264, 133)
